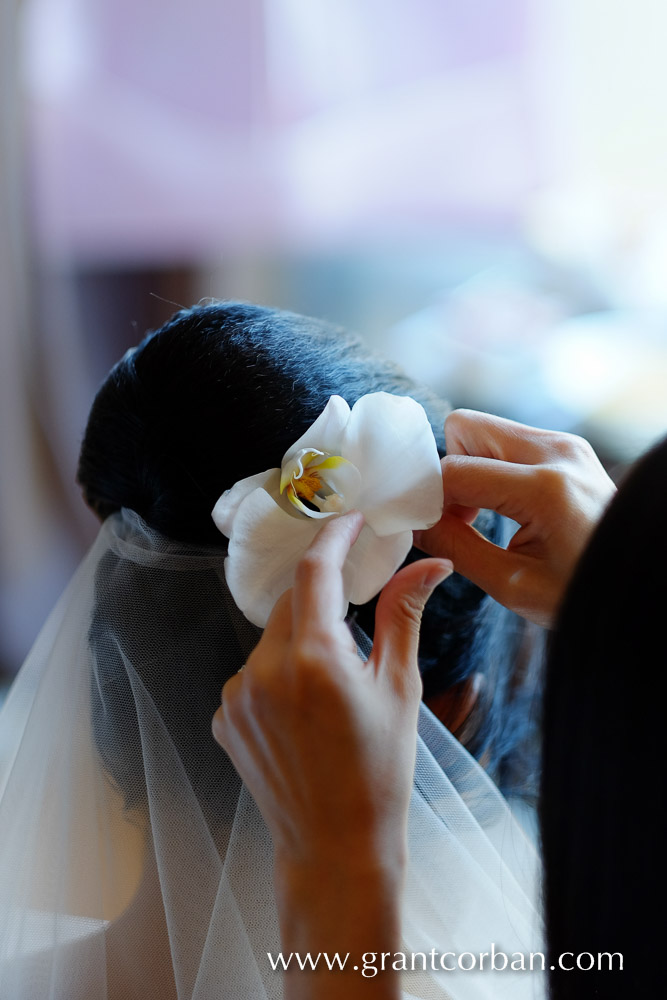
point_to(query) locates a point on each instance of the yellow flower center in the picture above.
(304, 478)
(307, 485)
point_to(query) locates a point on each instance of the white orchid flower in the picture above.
(380, 457)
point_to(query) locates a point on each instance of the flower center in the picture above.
(307, 485)
(305, 480)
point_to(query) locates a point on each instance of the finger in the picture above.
(231, 687)
(399, 612)
(246, 750)
(278, 628)
(219, 723)
(218, 727)
(467, 514)
(237, 728)
(471, 432)
(274, 640)
(487, 565)
(317, 596)
(472, 482)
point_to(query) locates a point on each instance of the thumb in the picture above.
(399, 613)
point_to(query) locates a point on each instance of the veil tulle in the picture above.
(133, 862)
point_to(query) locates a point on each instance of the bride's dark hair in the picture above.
(219, 393)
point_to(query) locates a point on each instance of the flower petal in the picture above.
(325, 433)
(264, 548)
(225, 509)
(390, 440)
(372, 562)
(344, 478)
(228, 504)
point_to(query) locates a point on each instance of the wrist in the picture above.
(295, 879)
(352, 905)
(370, 851)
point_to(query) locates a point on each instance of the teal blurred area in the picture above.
(475, 188)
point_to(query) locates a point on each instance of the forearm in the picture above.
(348, 909)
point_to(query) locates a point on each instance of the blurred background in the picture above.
(478, 188)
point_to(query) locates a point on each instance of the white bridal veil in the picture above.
(133, 863)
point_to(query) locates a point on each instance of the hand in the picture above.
(551, 483)
(325, 742)
(326, 745)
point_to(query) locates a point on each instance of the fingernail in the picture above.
(438, 573)
(354, 514)
(357, 520)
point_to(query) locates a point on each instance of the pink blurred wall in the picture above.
(171, 130)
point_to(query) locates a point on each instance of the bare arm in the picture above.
(326, 745)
